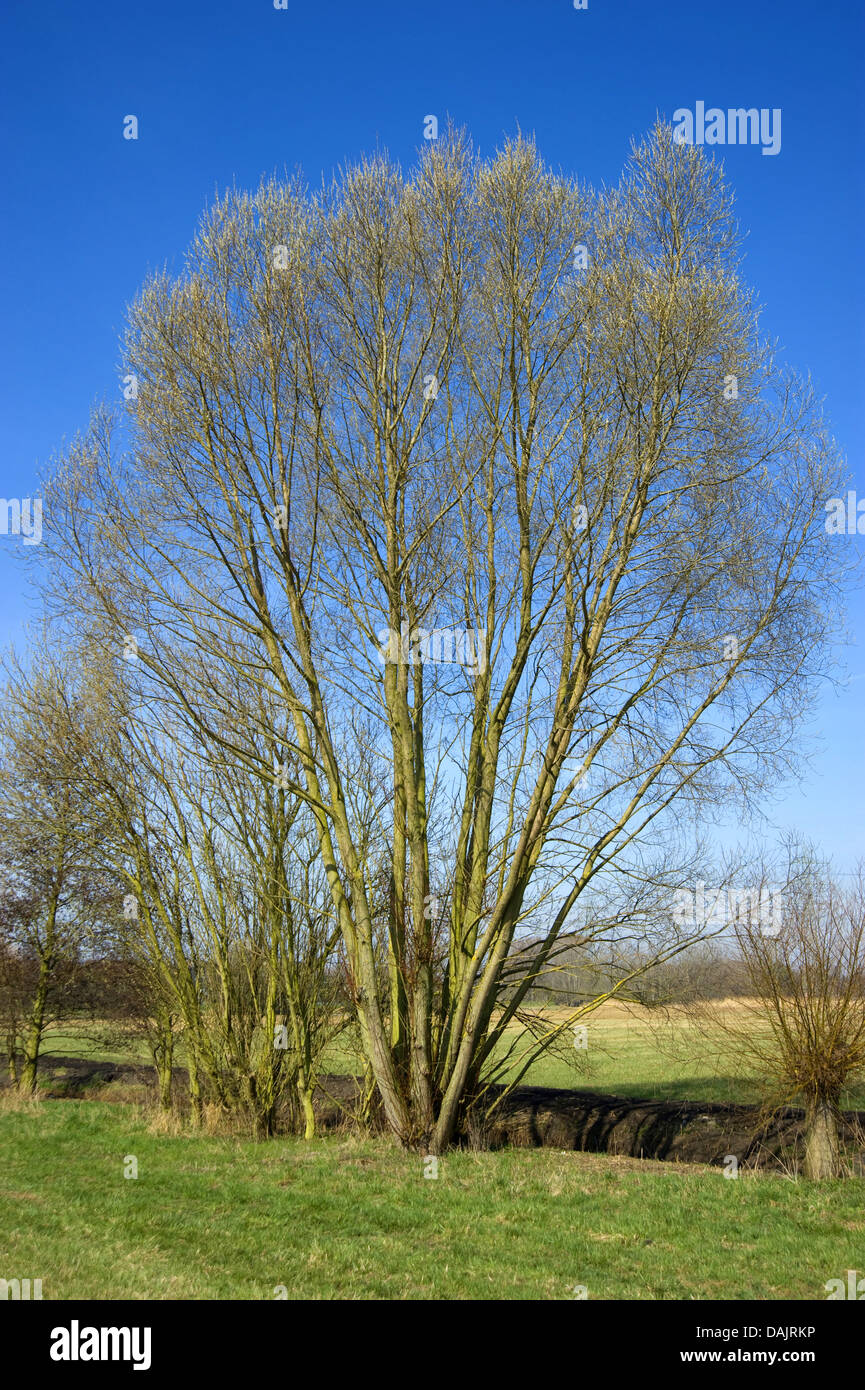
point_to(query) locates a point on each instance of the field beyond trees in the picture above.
(630, 1051)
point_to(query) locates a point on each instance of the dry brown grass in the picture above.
(13, 1101)
(166, 1123)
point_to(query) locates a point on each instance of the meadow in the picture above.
(210, 1217)
(630, 1051)
(348, 1216)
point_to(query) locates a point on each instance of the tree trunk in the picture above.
(821, 1142)
(165, 1074)
(308, 1112)
(33, 1039)
(195, 1089)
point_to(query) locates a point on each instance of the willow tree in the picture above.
(519, 526)
(804, 1031)
(55, 897)
(227, 925)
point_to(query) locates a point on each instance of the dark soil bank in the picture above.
(545, 1117)
(683, 1131)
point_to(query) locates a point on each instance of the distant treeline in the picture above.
(703, 971)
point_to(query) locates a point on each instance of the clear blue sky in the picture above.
(225, 90)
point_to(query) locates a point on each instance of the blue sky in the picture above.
(227, 90)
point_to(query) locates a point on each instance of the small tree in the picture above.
(18, 974)
(53, 897)
(809, 982)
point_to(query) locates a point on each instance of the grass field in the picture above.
(631, 1052)
(215, 1218)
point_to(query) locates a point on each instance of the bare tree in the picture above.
(505, 523)
(55, 897)
(19, 974)
(227, 925)
(806, 1033)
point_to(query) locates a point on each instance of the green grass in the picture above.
(215, 1218)
(85, 1040)
(633, 1060)
(639, 1055)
